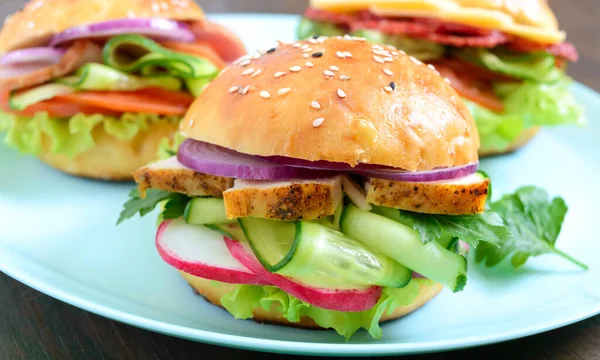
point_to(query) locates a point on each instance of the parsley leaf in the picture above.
(472, 229)
(174, 206)
(535, 223)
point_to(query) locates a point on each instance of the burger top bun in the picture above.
(40, 19)
(338, 99)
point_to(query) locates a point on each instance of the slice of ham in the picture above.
(438, 31)
(222, 40)
(81, 52)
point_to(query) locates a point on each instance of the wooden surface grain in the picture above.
(35, 326)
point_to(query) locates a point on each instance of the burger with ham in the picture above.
(506, 59)
(96, 87)
(330, 189)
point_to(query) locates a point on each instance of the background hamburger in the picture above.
(341, 183)
(95, 87)
(505, 58)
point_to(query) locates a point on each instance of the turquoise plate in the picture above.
(58, 235)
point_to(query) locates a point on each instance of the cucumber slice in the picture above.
(206, 210)
(40, 93)
(232, 231)
(402, 243)
(308, 251)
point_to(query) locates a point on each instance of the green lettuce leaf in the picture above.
(74, 135)
(168, 147)
(535, 222)
(244, 298)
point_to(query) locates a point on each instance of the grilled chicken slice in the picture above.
(171, 175)
(80, 53)
(284, 200)
(457, 197)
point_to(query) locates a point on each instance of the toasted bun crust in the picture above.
(110, 158)
(214, 293)
(40, 19)
(522, 140)
(532, 19)
(421, 125)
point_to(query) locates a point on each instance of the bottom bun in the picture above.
(523, 139)
(110, 158)
(213, 293)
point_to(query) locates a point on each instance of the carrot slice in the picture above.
(197, 49)
(127, 102)
(224, 41)
(54, 108)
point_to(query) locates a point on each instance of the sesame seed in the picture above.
(280, 74)
(317, 54)
(393, 85)
(245, 62)
(309, 64)
(395, 53)
(256, 73)
(388, 59)
(307, 50)
(295, 68)
(348, 54)
(344, 77)
(415, 60)
(376, 46)
(297, 45)
(283, 91)
(256, 56)
(388, 72)
(241, 59)
(334, 68)
(191, 122)
(315, 105)
(341, 93)
(305, 46)
(358, 38)
(315, 37)
(321, 39)
(388, 89)
(340, 54)
(402, 52)
(265, 94)
(431, 67)
(306, 56)
(318, 122)
(233, 89)
(377, 51)
(347, 37)
(448, 80)
(245, 89)
(313, 41)
(271, 50)
(328, 73)
(378, 59)
(248, 71)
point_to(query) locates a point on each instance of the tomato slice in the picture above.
(472, 84)
(197, 49)
(224, 41)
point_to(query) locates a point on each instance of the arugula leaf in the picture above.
(472, 229)
(175, 204)
(535, 223)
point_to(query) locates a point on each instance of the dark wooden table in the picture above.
(35, 326)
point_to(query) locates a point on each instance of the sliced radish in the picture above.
(200, 251)
(339, 300)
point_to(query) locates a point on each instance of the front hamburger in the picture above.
(97, 88)
(506, 59)
(323, 187)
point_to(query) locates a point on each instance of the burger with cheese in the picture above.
(331, 190)
(506, 59)
(95, 87)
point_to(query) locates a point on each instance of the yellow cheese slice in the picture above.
(523, 18)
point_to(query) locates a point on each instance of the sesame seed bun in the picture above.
(336, 99)
(110, 158)
(213, 294)
(521, 141)
(41, 19)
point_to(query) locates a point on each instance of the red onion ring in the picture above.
(159, 28)
(34, 55)
(219, 161)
